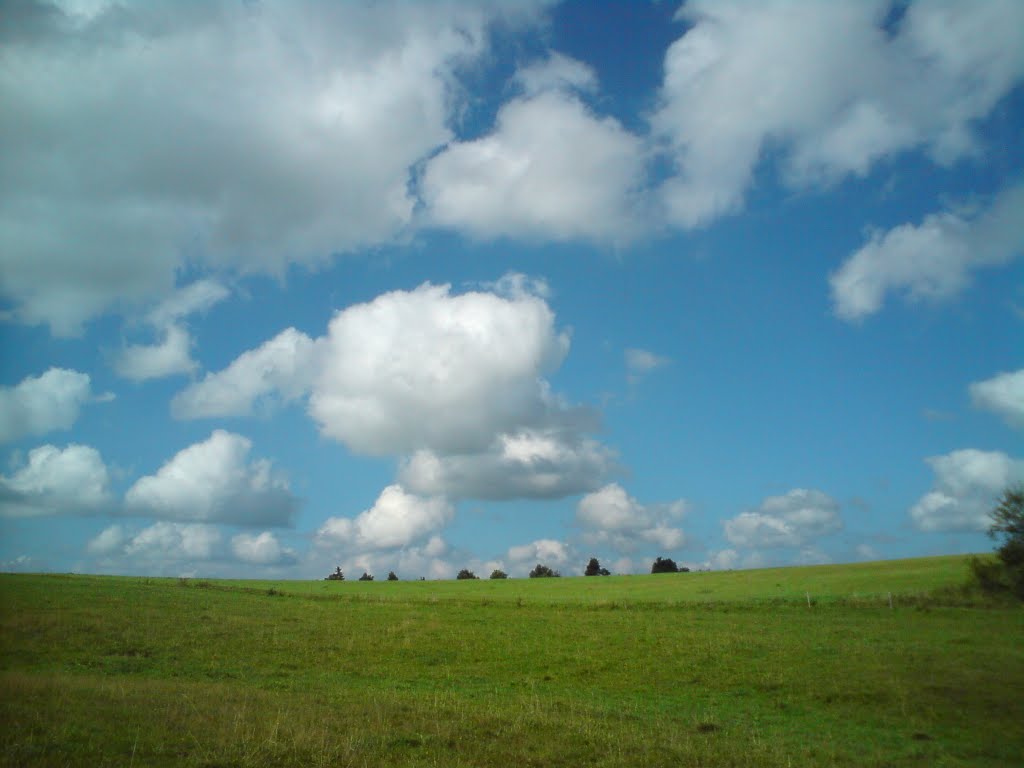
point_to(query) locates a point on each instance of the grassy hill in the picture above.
(686, 669)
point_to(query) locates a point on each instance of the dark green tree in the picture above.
(498, 574)
(392, 576)
(366, 577)
(543, 572)
(1006, 574)
(594, 569)
(336, 576)
(664, 565)
(465, 573)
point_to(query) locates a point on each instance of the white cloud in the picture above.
(190, 299)
(526, 464)
(235, 135)
(826, 87)
(550, 170)
(211, 482)
(279, 368)
(613, 518)
(640, 361)
(967, 486)
(108, 541)
(397, 519)
(164, 541)
(931, 261)
(261, 549)
(42, 403)
(53, 481)
(556, 73)
(792, 520)
(141, 362)
(426, 369)
(549, 552)
(1002, 394)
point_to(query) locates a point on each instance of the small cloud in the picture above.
(1002, 394)
(641, 361)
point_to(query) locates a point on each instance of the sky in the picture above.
(429, 286)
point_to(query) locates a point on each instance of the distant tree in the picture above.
(465, 573)
(366, 577)
(1006, 574)
(543, 572)
(392, 576)
(664, 565)
(594, 569)
(683, 569)
(498, 574)
(336, 576)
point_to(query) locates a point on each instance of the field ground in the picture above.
(708, 669)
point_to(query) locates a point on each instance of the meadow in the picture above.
(877, 664)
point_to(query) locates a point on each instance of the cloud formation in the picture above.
(397, 519)
(234, 135)
(611, 517)
(931, 261)
(213, 481)
(967, 485)
(55, 481)
(44, 403)
(828, 87)
(261, 549)
(1002, 394)
(792, 520)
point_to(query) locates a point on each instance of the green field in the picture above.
(698, 669)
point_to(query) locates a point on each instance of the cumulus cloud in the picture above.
(428, 369)
(44, 403)
(792, 520)
(967, 485)
(1002, 394)
(278, 369)
(525, 464)
(613, 518)
(53, 481)
(262, 549)
(549, 552)
(173, 354)
(397, 519)
(931, 261)
(212, 481)
(239, 135)
(551, 169)
(827, 87)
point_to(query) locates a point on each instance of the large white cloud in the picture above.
(1002, 394)
(968, 484)
(827, 87)
(139, 137)
(157, 544)
(524, 464)
(397, 519)
(932, 260)
(44, 403)
(613, 518)
(550, 170)
(428, 369)
(281, 368)
(261, 549)
(213, 481)
(792, 520)
(72, 480)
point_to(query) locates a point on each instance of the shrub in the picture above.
(465, 573)
(543, 572)
(366, 577)
(498, 574)
(664, 565)
(1006, 573)
(392, 576)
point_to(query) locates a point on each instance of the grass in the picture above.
(691, 669)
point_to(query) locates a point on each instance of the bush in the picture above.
(465, 573)
(594, 569)
(498, 574)
(392, 576)
(366, 577)
(664, 565)
(1006, 573)
(543, 572)
(336, 576)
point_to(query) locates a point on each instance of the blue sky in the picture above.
(418, 287)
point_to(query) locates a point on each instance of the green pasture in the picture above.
(717, 669)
